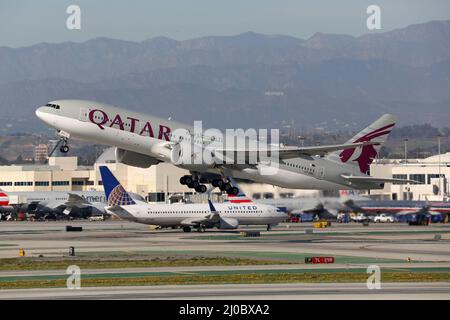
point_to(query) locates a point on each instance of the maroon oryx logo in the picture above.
(366, 153)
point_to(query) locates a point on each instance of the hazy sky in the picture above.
(26, 22)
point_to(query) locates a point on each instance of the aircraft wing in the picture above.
(407, 212)
(434, 213)
(120, 212)
(293, 152)
(211, 219)
(76, 200)
(376, 179)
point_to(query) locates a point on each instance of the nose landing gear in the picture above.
(64, 148)
(62, 143)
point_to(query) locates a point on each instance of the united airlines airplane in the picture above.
(142, 141)
(229, 215)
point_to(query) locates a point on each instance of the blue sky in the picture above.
(26, 22)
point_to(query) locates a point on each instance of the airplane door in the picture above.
(84, 114)
(319, 172)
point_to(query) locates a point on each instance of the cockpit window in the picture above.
(54, 106)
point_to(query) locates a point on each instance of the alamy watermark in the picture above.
(73, 21)
(374, 280)
(373, 21)
(212, 147)
(73, 281)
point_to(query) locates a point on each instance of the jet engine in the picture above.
(189, 154)
(135, 159)
(228, 223)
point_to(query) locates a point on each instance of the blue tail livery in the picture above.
(115, 193)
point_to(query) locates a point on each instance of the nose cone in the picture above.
(44, 115)
(40, 112)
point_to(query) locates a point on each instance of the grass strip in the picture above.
(233, 279)
(11, 264)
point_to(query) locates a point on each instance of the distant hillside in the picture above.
(328, 80)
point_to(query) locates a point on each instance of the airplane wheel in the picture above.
(227, 187)
(188, 180)
(195, 184)
(64, 149)
(187, 229)
(220, 183)
(233, 191)
(201, 188)
(183, 180)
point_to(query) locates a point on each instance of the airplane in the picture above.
(199, 216)
(418, 209)
(143, 140)
(322, 207)
(51, 203)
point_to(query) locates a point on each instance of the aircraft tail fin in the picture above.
(240, 197)
(4, 198)
(363, 156)
(115, 193)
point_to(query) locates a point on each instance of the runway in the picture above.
(396, 242)
(392, 247)
(328, 291)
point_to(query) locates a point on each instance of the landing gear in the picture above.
(217, 183)
(186, 229)
(226, 186)
(201, 188)
(269, 227)
(64, 148)
(234, 191)
(201, 229)
(186, 180)
(193, 183)
(62, 143)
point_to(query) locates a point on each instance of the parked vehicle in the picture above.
(384, 218)
(97, 218)
(343, 218)
(360, 217)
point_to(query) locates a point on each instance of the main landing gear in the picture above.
(193, 182)
(225, 186)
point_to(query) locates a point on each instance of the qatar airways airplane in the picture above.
(142, 140)
(229, 215)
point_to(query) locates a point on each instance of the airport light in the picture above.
(406, 149)
(439, 165)
(302, 140)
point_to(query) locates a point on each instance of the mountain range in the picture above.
(248, 80)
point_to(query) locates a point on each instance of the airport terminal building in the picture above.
(154, 183)
(432, 175)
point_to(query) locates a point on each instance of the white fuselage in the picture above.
(174, 215)
(143, 134)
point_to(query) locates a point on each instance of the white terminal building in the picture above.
(432, 175)
(154, 183)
